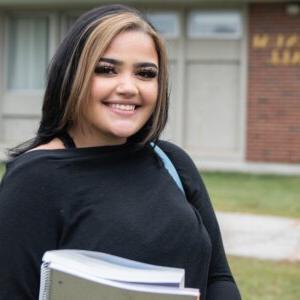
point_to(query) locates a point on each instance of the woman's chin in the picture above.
(123, 133)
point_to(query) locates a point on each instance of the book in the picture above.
(89, 275)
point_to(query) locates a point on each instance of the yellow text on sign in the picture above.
(284, 48)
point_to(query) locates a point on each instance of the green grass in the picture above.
(2, 168)
(266, 280)
(259, 194)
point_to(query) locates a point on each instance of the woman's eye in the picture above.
(106, 70)
(148, 74)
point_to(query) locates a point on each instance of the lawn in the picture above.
(1, 170)
(260, 194)
(266, 280)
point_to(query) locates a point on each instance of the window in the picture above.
(220, 24)
(27, 52)
(167, 23)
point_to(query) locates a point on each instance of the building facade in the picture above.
(234, 75)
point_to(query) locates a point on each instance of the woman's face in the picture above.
(124, 89)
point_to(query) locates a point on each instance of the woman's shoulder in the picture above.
(177, 154)
(182, 161)
(54, 144)
(33, 164)
(188, 172)
(30, 181)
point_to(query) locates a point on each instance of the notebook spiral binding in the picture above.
(45, 282)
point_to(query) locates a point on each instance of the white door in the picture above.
(212, 83)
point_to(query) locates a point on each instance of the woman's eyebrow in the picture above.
(118, 63)
(111, 61)
(145, 65)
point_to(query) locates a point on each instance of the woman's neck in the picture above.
(87, 138)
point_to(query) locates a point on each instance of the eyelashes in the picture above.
(109, 70)
(145, 73)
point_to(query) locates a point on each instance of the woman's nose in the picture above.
(127, 86)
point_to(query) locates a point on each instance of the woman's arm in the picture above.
(28, 227)
(221, 284)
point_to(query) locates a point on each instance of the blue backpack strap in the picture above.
(169, 166)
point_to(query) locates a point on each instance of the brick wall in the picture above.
(273, 129)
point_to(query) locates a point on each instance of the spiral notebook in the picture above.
(80, 275)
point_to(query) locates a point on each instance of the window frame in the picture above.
(216, 36)
(169, 36)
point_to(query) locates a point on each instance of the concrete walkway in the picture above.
(264, 237)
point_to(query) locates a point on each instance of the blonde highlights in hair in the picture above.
(103, 31)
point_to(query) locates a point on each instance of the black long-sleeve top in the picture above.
(114, 199)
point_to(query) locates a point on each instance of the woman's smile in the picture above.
(122, 107)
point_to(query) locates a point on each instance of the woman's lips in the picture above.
(125, 107)
(122, 109)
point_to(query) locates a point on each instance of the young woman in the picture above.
(91, 179)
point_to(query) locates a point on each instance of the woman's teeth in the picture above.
(127, 107)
